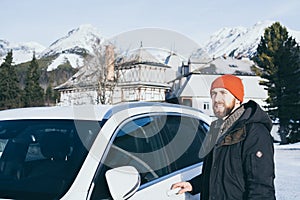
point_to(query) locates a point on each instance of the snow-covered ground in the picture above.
(287, 171)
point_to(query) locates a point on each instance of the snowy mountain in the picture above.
(79, 40)
(71, 47)
(240, 41)
(22, 52)
(237, 41)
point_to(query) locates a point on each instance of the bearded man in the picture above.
(239, 164)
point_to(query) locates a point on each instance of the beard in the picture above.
(222, 109)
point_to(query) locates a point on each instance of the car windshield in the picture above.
(41, 158)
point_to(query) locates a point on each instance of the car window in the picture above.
(182, 138)
(138, 143)
(41, 158)
(155, 145)
(134, 144)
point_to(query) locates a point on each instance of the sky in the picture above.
(46, 21)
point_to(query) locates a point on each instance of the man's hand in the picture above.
(185, 187)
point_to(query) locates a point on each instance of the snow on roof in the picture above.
(85, 77)
(140, 55)
(225, 65)
(198, 85)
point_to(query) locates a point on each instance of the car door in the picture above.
(182, 137)
(152, 143)
(132, 144)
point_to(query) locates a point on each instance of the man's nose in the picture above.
(218, 96)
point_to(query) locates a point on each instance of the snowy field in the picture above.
(287, 171)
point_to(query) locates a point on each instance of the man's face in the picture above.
(223, 102)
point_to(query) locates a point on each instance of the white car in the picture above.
(126, 151)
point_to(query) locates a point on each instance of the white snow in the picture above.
(68, 47)
(240, 39)
(287, 171)
(294, 34)
(83, 37)
(22, 52)
(75, 61)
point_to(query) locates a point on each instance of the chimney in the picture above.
(185, 68)
(110, 61)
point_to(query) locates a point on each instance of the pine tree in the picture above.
(291, 110)
(33, 92)
(10, 91)
(51, 95)
(278, 56)
(48, 95)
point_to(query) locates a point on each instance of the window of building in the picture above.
(187, 102)
(206, 106)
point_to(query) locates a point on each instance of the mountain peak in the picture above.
(239, 41)
(81, 38)
(84, 29)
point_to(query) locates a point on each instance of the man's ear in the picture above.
(237, 102)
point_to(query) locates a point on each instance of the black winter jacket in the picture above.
(240, 166)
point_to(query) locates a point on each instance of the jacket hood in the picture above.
(254, 114)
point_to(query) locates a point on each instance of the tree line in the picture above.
(13, 95)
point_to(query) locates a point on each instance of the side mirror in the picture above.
(123, 182)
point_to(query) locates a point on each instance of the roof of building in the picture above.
(85, 77)
(224, 65)
(198, 85)
(140, 56)
(88, 76)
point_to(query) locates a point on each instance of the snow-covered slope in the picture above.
(71, 47)
(294, 34)
(22, 52)
(79, 40)
(75, 61)
(240, 41)
(3, 47)
(219, 42)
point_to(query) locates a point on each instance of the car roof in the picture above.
(82, 112)
(92, 112)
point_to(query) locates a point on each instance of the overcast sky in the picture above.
(45, 21)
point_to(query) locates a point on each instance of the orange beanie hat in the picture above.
(231, 83)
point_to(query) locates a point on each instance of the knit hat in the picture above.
(231, 83)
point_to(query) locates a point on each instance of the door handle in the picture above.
(173, 192)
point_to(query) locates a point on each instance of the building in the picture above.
(136, 76)
(142, 77)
